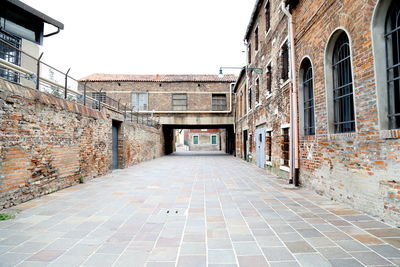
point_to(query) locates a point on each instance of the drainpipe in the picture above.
(294, 127)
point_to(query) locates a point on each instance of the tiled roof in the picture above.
(100, 77)
(253, 18)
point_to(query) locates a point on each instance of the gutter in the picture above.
(294, 126)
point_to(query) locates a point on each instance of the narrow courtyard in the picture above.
(186, 209)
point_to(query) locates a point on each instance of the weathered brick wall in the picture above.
(360, 168)
(199, 94)
(47, 143)
(273, 111)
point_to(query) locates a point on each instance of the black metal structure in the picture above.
(285, 62)
(392, 37)
(219, 102)
(344, 119)
(179, 102)
(308, 98)
(10, 53)
(285, 146)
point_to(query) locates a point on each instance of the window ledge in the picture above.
(343, 136)
(284, 83)
(268, 163)
(284, 168)
(267, 32)
(390, 134)
(268, 96)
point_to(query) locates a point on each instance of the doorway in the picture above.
(244, 152)
(260, 147)
(115, 140)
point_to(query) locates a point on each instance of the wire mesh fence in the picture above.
(19, 67)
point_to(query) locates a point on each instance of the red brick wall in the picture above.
(47, 143)
(354, 167)
(273, 110)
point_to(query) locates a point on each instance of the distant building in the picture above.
(179, 101)
(206, 139)
(22, 29)
(262, 103)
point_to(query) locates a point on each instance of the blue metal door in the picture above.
(115, 164)
(260, 147)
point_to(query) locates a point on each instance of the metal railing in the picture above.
(48, 79)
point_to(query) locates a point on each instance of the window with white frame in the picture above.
(343, 102)
(219, 102)
(285, 62)
(392, 40)
(179, 102)
(140, 101)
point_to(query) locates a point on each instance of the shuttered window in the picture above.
(179, 102)
(219, 102)
(140, 101)
(343, 86)
(392, 37)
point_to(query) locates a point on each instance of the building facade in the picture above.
(262, 92)
(347, 57)
(206, 139)
(177, 101)
(21, 33)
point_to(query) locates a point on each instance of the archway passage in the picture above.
(219, 138)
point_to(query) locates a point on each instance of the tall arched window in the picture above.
(392, 37)
(308, 98)
(343, 103)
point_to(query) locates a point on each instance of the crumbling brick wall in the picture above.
(362, 167)
(47, 143)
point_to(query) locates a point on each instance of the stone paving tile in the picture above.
(246, 248)
(99, 260)
(284, 264)
(345, 263)
(221, 256)
(370, 258)
(192, 260)
(277, 254)
(312, 260)
(253, 261)
(299, 247)
(222, 212)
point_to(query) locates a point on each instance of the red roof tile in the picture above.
(100, 77)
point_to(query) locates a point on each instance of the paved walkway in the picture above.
(212, 210)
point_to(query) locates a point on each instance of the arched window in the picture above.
(343, 103)
(308, 98)
(392, 40)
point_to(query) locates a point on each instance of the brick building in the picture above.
(347, 64)
(21, 34)
(178, 101)
(262, 103)
(206, 139)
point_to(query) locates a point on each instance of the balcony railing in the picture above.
(47, 79)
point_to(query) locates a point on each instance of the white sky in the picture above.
(146, 36)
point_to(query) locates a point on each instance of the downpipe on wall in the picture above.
(294, 127)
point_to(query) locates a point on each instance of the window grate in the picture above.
(269, 79)
(285, 62)
(308, 99)
(392, 39)
(256, 44)
(268, 145)
(257, 90)
(267, 17)
(218, 102)
(140, 101)
(10, 54)
(179, 102)
(285, 146)
(343, 86)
